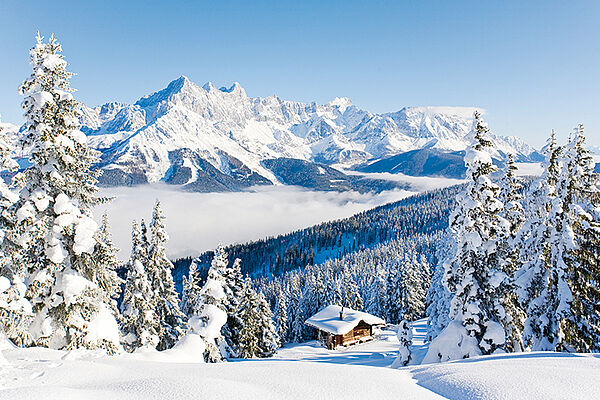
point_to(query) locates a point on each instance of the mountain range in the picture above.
(207, 139)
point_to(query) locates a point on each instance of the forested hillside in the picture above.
(425, 213)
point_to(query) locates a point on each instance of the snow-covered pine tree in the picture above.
(140, 323)
(297, 315)
(510, 195)
(281, 314)
(404, 335)
(538, 199)
(210, 317)
(438, 297)
(563, 312)
(331, 287)
(394, 293)
(170, 317)
(311, 301)
(233, 286)
(537, 203)
(537, 279)
(377, 300)
(581, 328)
(184, 296)
(53, 226)
(425, 270)
(269, 340)
(249, 339)
(258, 337)
(15, 309)
(315, 292)
(474, 276)
(104, 263)
(349, 290)
(190, 295)
(412, 289)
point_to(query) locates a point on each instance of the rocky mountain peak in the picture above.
(222, 130)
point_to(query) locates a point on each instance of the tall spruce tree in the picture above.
(53, 226)
(269, 339)
(140, 326)
(377, 300)
(350, 296)
(394, 293)
(474, 276)
(510, 195)
(298, 315)
(438, 297)
(249, 340)
(560, 282)
(537, 279)
(210, 317)
(171, 319)
(281, 314)
(413, 290)
(190, 295)
(233, 286)
(105, 262)
(258, 337)
(581, 327)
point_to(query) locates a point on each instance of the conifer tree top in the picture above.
(60, 157)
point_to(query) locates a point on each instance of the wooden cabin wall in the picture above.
(362, 330)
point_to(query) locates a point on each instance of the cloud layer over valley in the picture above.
(200, 221)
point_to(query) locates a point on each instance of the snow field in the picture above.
(536, 375)
(297, 371)
(41, 373)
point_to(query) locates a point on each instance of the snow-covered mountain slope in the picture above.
(218, 138)
(423, 162)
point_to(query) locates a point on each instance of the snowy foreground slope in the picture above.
(297, 372)
(538, 375)
(40, 373)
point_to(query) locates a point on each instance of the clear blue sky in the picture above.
(534, 65)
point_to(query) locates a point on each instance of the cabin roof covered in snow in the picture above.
(328, 320)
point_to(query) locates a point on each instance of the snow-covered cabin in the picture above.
(342, 326)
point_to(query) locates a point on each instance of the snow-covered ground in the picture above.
(537, 375)
(46, 374)
(298, 371)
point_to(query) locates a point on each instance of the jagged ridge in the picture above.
(208, 139)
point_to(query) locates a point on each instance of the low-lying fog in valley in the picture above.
(197, 222)
(200, 221)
